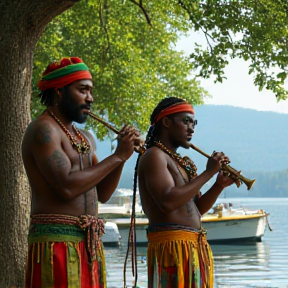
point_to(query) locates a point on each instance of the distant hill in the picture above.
(255, 141)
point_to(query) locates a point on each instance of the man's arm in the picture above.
(161, 186)
(107, 186)
(206, 201)
(55, 166)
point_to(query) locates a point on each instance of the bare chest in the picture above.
(177, 172)
(181, 178)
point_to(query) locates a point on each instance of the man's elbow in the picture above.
(167, 207)
(65, 193)
(103, 199)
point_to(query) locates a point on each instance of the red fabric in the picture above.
(63, 81)
(36, 273)
(89, 272)
(60, 265)
(86, 280)
(33, 276)
(61, 64)
(183, 107)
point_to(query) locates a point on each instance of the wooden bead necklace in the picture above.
(83, 147)
(186, 163)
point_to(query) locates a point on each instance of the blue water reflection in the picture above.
(259, 265)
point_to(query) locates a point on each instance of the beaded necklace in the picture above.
(186, 163)
(83, 147)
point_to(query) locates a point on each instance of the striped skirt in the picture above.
(60, 254)
(179, 259)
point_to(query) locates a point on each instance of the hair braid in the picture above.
(152, 132)
(47, 96)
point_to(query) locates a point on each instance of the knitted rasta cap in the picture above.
(64, 72)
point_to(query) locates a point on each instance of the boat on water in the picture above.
(224, 223)
(112, 236)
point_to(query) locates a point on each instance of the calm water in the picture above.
(263, 264)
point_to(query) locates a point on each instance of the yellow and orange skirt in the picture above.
(179, 258)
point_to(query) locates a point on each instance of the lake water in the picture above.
(263, 264)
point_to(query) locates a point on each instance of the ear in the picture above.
(59, 93)
(166, 122)
(57, 96)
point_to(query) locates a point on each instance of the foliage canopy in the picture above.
(252, 30)
(135, 64)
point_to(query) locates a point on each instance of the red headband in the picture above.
(177, 108)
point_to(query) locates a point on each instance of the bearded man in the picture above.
(67, 181)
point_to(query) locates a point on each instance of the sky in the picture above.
(238, 89)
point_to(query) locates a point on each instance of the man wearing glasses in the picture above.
(178, 254)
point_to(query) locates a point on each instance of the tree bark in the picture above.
(21, 24)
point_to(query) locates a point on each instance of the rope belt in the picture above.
(93, 227)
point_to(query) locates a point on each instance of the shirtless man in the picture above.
(66, 180)
(178, 254)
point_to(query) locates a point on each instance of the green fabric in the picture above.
(66, 70)
(47, 267)
(55, 233)
(73, 269)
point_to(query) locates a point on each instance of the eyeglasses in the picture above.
(187, 121)
(194, 123)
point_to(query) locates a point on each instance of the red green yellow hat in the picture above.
(64, 72)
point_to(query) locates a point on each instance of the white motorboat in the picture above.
(224, 223)
(241, 225)
(112, 235)
(235, 227)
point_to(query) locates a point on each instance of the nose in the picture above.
(89, 97)
(191, 127)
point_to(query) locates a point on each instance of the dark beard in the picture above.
(71, 110)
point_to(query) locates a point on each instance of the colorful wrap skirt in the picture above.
(65, 252)
(178, 257)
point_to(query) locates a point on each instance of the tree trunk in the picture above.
(21, 24)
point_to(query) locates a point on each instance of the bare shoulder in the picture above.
(151, 153)
(152, 156)
(40, 131)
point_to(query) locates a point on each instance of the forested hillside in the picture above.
(255, 141)
(273, 184)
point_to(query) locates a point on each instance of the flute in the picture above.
(238, 178)
(138, 148)
(229, 170)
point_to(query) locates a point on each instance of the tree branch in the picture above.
(143, 10)
(103, 25)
